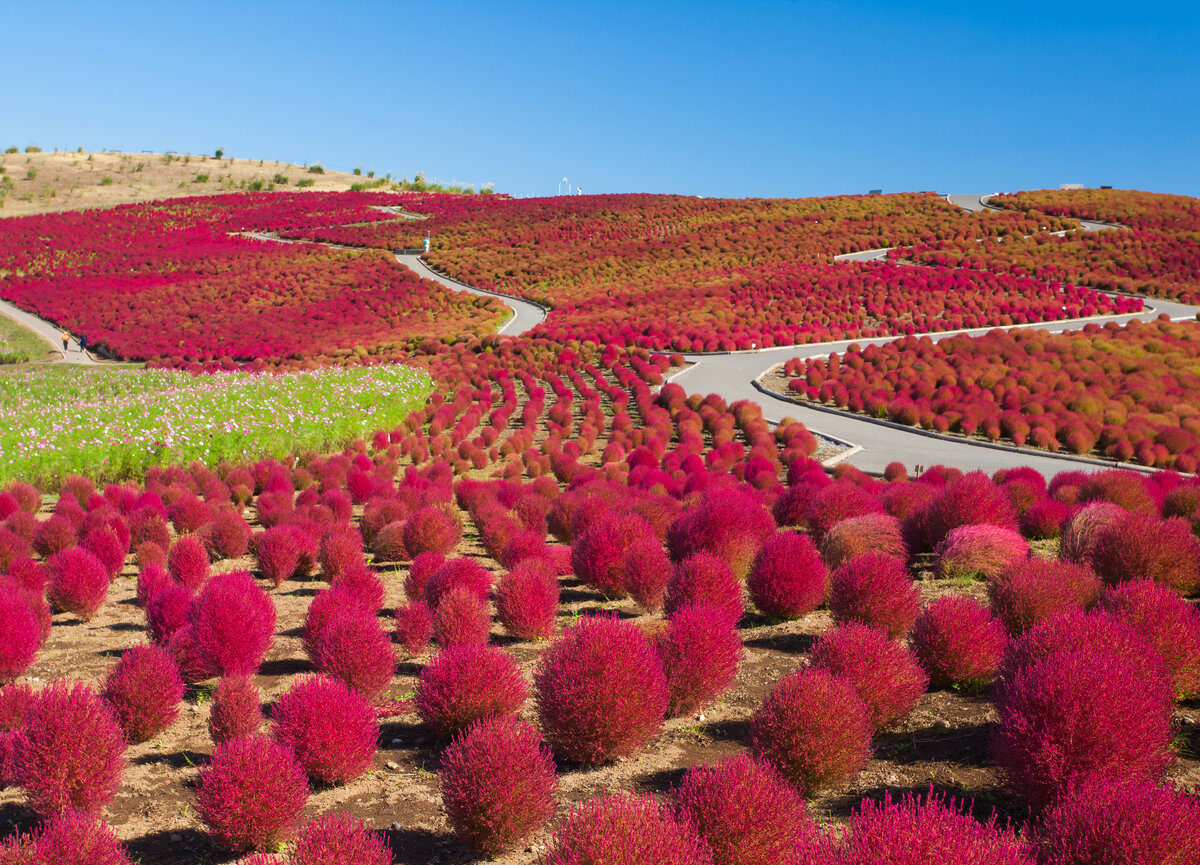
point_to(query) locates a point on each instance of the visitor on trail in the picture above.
(66, 339)
(83, 342)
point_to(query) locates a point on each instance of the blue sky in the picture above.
(704, 98)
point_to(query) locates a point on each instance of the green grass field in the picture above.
(19, 344)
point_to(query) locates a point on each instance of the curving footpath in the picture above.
(525, 314)
(51, 333)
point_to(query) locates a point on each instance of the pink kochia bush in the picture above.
(917, 830)
(601, 692)
(958, 643)
(78, 582)
(236, 710)
(884, 674)
(71, 838)
(978, 552)
(527, 600)
(352, 646)
(1136, 546)
(337, 838)
(1083, 530)
(143, 691)
(498, 784)
(187, 563)
(20, 634)
(1081, 711)
(431, 529)
(730, 524)
(1034, 589)
(646, 570)
(1168, 623)
(878, 533)
(745, 812)
(70, 752)
(875, 589)
(233, 624)
(468, 683)
(1130, 822)
(330, 728)
(461, 617)
(414, 627)
(705, 579)
(814, 728)
(252, 793)
(788, 578)
(701, 652)
(598, 555)
(624, 829)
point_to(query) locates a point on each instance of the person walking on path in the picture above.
(66, 339)
(83, 343)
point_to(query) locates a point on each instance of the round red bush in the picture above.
(233, 624)
(461, 618)
(622, 829)
(1113, 820)
(600, 690)
(458, 573)
(1035, 589)
(236, 710)
(414, 627)
(229, 537)
(1081, 711)
(464, 684)
(20, 634)
(839, 501)
(884, 673)
(150, 580)
(729, 523)
(167, 612)
(423, 566)
(645, 571)
(70, 752)
(1098, 630)
(363, 585)
(340, 551)
(527, 600)
(78, 582)
(277, 551)
(1083, 530)
(877, 533)
(708, 580)
(330, 728)
(598, 555)
(353, 647)
(745, 812)
(958, 643)
(968, 500)
(53, 535)
(875, 589)
(70, 838)
(498, 784)
(337, 838)
(103, 543)
(788, 579)
(187, 563)
(388, 544)
(814, 729)
(143, 691)
(251, 795)
(701, 652)
(978, 552)
(1044, 519)
(431, 530)
(1170, 624)
(1137, 546)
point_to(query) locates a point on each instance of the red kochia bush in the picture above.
(53, 535)
(143, 692)
(1137, 546)
(70, 838)
(730, 524)
(745, 812)
(1081, 711)
(150, 579)
(978, 552)
(701, 652)
(705, 579)
(331, 729)
(230, 535)
(1080, 534)
(431, 529)
(353, 647)
(187, 562)
(103, 543)
(968, 500)
(1125, 821)
(930, 828)
(336, 838)
(70, 753)
(601, 692)
(788, 578)
(645, 570)
(12, 547)
(252, 793)
(461, 618)
(340, 550)
(78, 582)
(835, 503)
(233, 624)
(236, 710)
(598, 555)
(464, 684)
(814, 729)
(875, 589)
(277, 551)
(423, 566)
(527, 600)
(1168, 623)
(1098, 631)
(1035, 589)
(498, 784)
(414, 627)
(884, 674)
(958, 642)
(878, 533)
(623, 829)
(458, 573)
(167, 612)
(20, 635)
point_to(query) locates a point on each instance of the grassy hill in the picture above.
(52, 182)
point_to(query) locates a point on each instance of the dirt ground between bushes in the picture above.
(942, 743)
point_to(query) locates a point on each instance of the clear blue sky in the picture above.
(699, 97)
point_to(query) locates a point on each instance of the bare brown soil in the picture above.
(73, 181)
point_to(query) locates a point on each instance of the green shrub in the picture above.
(106, 181)
(304, 181)
(200, 178)
(316, 169)
(281, 179)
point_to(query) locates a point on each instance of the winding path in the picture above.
(51, 333)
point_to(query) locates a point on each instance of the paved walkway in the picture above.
(51, 333)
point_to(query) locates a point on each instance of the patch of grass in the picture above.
(19, 344)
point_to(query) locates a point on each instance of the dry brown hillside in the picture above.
(50, 182)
